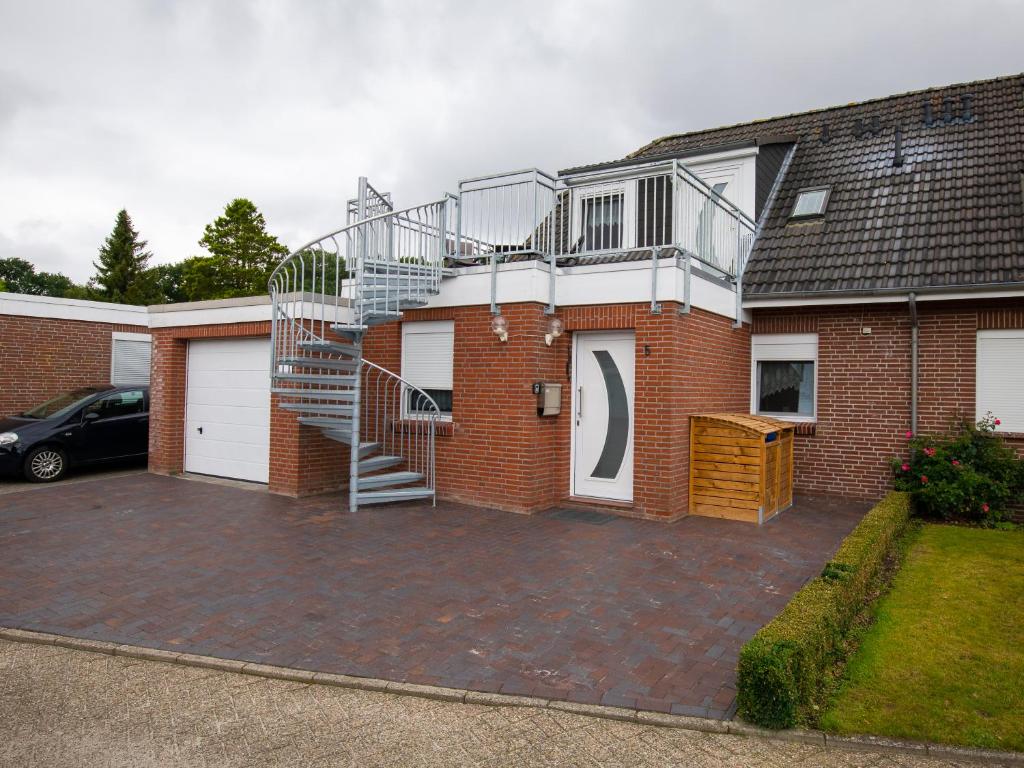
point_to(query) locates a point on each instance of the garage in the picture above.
(227, 408)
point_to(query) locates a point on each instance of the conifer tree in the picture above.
(121, 272)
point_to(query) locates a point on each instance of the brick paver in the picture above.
(630, 613)
(66, 709)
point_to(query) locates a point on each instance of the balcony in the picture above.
(619, 212)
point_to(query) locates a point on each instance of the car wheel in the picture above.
(45, 464)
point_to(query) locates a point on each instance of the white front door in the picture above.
(602, 445)
(227, 408)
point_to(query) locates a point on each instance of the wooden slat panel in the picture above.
(717, 431)
(718, 501)
(746, 515)
(706, 474)
(724, 483)
(741, 494)
(725, 466)
(752, 442)
(754, 454)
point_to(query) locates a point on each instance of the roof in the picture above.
(950, 216)
(763, 425)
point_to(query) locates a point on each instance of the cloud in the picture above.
(171, 109)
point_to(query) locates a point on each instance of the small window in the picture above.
(810, 202)
(130, 358)
(784, 376)
(602, 222)
(1000, 378)
(428, 350)
(785, 387)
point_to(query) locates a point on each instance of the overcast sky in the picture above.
(171, 109)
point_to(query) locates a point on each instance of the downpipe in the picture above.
(912, 301)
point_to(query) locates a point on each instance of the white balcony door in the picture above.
(603, 396)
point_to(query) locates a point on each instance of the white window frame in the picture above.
(418, 327)
(596, 191)
(778, 348)
(117, 336)
(1010, 422)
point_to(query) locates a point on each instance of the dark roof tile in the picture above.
(952, 215)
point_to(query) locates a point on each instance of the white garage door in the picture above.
(227, 410)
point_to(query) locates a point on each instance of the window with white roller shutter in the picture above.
(1000, 378)
(783, 375)
(130, 358)
(428, 349)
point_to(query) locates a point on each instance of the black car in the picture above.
(84, 426)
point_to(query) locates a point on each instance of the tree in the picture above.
(242, 255)
(121, 272)
(168, 282)
(20, 276)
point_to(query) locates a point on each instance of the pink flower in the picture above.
(998, 422)
(956, 463)
(924, 479)
(984, 507)
(909, 434)
(929, 451)
(905, 467)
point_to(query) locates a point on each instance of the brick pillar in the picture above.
(167, 404)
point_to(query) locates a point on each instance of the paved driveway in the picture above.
(627, 613)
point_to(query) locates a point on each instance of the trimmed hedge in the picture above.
(783, 666)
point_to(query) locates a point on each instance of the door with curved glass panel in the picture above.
(603, 394)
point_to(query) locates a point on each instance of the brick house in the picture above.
(541, 338)
(50, 345)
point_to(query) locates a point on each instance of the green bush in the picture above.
(784, 666)
(969, 474)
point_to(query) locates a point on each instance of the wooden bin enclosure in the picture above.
(741, 466)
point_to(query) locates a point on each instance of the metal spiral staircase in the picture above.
(325, 297)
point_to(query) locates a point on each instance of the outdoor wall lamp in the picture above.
(499, 327)
(555, 329)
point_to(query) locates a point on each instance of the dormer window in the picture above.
(810, 202)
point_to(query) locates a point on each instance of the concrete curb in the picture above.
(658, 719)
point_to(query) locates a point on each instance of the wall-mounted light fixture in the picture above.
(555, 329)
(499, 327)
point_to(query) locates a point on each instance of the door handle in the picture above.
(200, 430)
(579, 402)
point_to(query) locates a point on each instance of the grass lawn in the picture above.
(944, 660)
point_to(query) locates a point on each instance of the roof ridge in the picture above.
(819, 110)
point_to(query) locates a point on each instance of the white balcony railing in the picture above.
(663, 205)
(651, 210)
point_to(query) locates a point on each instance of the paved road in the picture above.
(69, 708)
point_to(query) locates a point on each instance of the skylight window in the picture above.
(810, 202)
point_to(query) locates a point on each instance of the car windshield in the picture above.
(62, 404)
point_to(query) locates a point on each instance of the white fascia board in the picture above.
(23, 305)
(714, 157)
(210, 316)
(894, 298)
(585, 285)
(252, 313)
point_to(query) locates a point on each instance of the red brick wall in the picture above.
(501, 454)
(41, 357)
(864, 383)
(302, 460)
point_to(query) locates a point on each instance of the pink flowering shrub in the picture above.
(969, 474)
